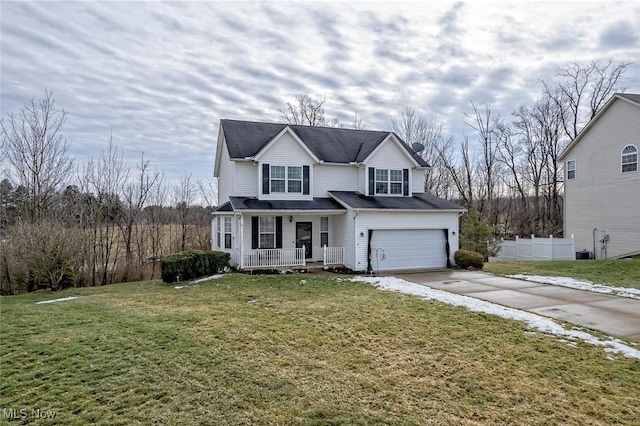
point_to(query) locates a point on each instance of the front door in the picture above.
(303, 237)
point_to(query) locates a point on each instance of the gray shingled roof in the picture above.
(329, 144)
(357, 200)
(631, 96)
(250, 203)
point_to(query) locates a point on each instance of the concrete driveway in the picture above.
(614, 315)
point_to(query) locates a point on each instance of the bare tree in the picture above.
(134, 196)
(582, 90)
(103, 178)
(307, 111)
(184, 193)
(482, 123)
(357, 123)
(416, 128)
(37, 152)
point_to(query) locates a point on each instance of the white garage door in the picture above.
(408, 249)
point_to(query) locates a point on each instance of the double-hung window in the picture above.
(278, 179)
(294, 179)
(267, 232)
(629, 159)
(286, 179)
(227, 232)
(388, 181)
(324, 231)
(571, 169)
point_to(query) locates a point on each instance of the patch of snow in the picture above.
(62, 299)
(538, 322)
(632, 293)
(303, 281)
(212, 277)
(178, 287)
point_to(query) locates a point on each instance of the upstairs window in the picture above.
(629, 159)
(388, 181)
(571, 169)
(285, 179)
(278, 179)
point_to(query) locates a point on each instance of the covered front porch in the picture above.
(279, 234)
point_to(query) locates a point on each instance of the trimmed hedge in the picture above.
(189, 264)
(466, 258)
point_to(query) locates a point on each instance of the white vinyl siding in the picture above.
(605, 197)
(330, 177)
(288, 156)
(403, 221)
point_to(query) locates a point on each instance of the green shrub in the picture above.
(189, 264)
(465, 258)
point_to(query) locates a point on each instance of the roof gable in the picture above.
(246, 139)
(631, 98)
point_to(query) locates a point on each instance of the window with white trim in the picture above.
(630, 159)
(218, 232)
(278, 181)
(227, 232)
(286, 179)
(388, 181)
(571, 169)
(324, 231)
(294, 179)
(267, 232)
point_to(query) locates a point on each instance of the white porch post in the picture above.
(241, 261)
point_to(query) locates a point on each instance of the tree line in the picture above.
(64, 224)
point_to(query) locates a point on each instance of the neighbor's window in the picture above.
(278, 178)
(267, 232)
(227, 232)
(388, 181)
(324, 231)
(571, 169)
(629, 159)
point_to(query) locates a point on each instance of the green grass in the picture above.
(277, 350)
(619, 273)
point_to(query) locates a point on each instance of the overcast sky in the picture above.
(162, 75)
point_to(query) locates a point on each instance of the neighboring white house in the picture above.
(290, 194)
(602, 181)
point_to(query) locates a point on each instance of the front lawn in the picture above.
(295, 349)
(618, 273)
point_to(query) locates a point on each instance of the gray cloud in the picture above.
(620, 34)
(162, 75)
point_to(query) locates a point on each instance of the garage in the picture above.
(408, 249)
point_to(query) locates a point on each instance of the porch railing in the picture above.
(333, 255)
(272, 258)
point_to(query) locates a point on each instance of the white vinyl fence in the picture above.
(536, 249)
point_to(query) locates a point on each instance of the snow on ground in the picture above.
(62, 299)
(631, 293)
(212, 277)
(543, 324)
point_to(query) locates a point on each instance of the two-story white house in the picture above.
(602, 181)
(290, 194)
